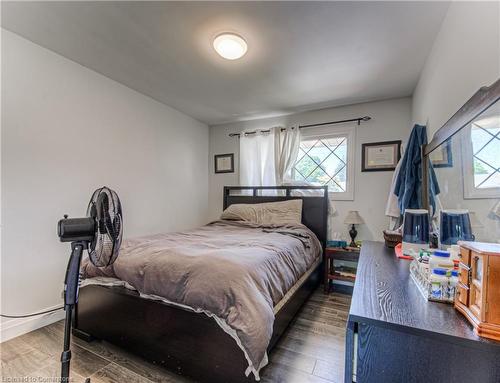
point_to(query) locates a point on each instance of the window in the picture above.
(326, 158)
(482, 162)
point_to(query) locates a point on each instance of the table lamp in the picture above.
(353, 218)
(455, 225)
(415, 231)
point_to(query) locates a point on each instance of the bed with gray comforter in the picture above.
(233, 271)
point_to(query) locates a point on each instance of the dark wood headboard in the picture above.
(314, 207)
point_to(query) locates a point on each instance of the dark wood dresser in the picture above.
(395, 335)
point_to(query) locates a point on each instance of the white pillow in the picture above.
(266, 213)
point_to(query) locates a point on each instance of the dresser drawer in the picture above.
(464, 273)
(464, 256)
(462, 294)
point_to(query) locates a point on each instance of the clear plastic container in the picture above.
(438, 282)
(441, 260)
(452, 285)
(454, 251)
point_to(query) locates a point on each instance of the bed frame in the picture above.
(189, 343)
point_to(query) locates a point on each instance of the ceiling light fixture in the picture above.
(230, 46)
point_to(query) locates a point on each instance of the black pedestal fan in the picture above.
(100, 233)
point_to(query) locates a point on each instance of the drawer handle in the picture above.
(463, 266)
(463, 286)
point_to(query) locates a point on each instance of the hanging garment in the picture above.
(408, 187)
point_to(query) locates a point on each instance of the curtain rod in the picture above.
(358, 120)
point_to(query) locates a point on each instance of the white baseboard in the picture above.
(18, 326)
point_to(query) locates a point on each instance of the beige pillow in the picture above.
(270, 212)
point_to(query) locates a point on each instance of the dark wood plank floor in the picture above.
(311, 351)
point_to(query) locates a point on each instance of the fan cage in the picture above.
(105, 208)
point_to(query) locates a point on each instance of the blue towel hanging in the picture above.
(408, 187)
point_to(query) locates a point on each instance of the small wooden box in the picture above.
(478, 290)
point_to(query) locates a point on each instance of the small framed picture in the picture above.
(380, 156)
(441, 156)
(224, 163)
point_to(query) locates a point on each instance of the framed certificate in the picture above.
(380, 156)
(441, 156)
(224, 163)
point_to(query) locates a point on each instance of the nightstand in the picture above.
(335, 273)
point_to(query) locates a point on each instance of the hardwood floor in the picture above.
(311, 351)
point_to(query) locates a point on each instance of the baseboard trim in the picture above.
(14, 327)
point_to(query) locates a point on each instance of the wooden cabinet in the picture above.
(478, 295)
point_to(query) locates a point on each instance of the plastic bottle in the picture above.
(452, 285)
(438, 280)
(441, 260)
(454, 251)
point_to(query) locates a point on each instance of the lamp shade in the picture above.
(416, 227)
(353, 218)
(455, 226)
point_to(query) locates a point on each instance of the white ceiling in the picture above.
(301, 55)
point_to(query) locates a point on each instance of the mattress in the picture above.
(115, 282)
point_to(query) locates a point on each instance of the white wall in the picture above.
(390, 121)
(465, 56)
(67, 130)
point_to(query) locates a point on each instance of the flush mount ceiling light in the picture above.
(230, 46)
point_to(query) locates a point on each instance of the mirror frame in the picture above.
(473, 108)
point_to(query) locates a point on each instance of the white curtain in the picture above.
(257, 155)
(266, 159)
(287, 144)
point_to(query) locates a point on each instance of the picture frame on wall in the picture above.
(441, 157)
(224, 163)
(380, 156)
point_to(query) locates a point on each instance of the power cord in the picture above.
(31, 315)
(41, 312)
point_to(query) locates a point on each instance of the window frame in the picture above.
(329, 132)
(471, 191)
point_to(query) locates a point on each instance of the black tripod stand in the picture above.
(70, 298)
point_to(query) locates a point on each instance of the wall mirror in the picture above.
(463, 172)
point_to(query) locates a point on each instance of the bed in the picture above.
(193, 343)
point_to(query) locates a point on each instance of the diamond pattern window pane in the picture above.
(489, 154)
(299, 177)
(491, 182)
(318, 176)
(485, 143)
(480, 137)
(305, 167)
(339, 181)
(319, 152)
(323, 162)
(332, 165)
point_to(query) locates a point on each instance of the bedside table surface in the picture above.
(342, 254)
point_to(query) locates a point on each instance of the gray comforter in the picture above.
(234, 270)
